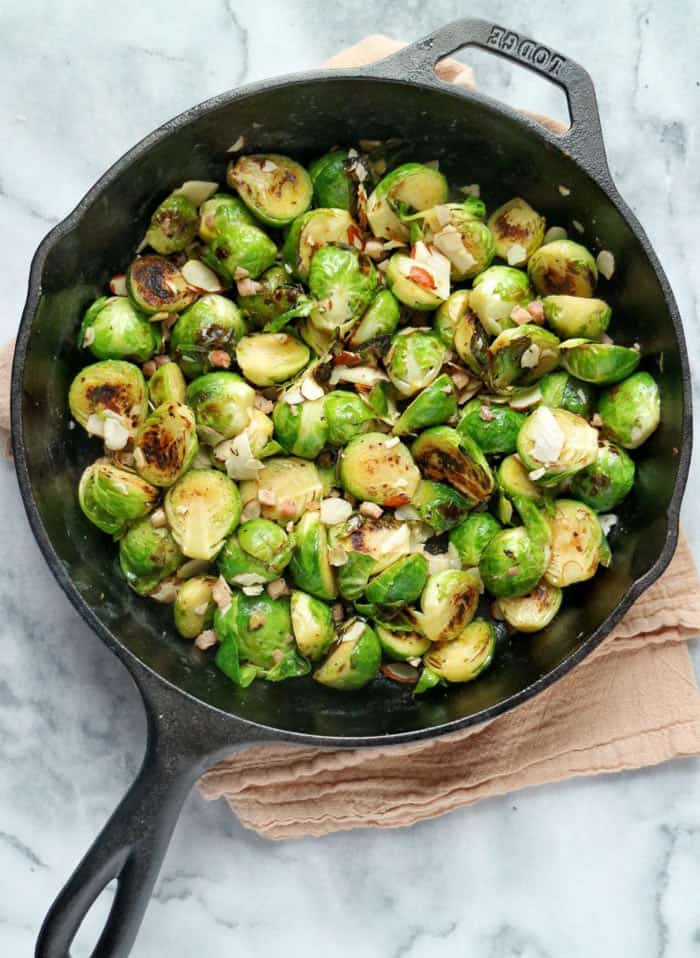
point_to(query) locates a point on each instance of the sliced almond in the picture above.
(371, 509)
(240, 272)
(401, 672)
(311, 390)
(115, 435)
(117, 285)
(266, 497)
(206, 640)
(248, 578)
(334, 511)
(605, 262)
(252, 590)
(277, 588)
(248, 287)
(526, 399)
(237, 146)
(197, 191)
(201, 277)
(293, 397)
(166, 591)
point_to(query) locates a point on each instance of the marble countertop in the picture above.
(602, 866)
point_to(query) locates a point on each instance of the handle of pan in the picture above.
(584, 138)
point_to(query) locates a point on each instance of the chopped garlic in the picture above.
(293, 397)
(115, 435)
(530, 357)
(549, 438)
(277, 588)
(390, 443)
(362, 375)
(407, 513)
(311, 390)
(526, 399)
(577, 226)
(337, 556)
(564, 190)
(239, 459)
(537, 473)
(165, 592)
(248, 287)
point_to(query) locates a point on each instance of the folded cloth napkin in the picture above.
(634, 702)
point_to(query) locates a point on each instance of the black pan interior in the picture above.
(474, 143)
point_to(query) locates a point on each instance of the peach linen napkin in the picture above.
(634, 702)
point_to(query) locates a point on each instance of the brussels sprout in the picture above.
(269, 358)
(312, 624)
(173, 225)
(313, 230)
(513, 480)
(239, 246)
(212, 324)
(310, 568)
(238, 456)
(203, 507)
(228, 658)
(493, 428)
(261, 628)
(343, 283)
(448, 604)
(155, 285)
(111, 497)
(420, 281)
(471, 537)
(414, 360)
(448, 315)
(454, 230)
(166, 444)
(554, 444)
(408, 188)
(521, 355)
(239, 567)
(426, 681)
(354, 660)
(563, 267)
(147, 555)
(495, 294)
(333, 187)
(463, 658)
(301, 429)
(401, 646)
(276, 188)
(113, 328)
(384, 540)
(515, 560)
(277, 295)
(534, 611)
(379, 469)
(517, 231)
(219, 209)
(222, 404)
(439, 505)
(571, 316)
(434, 405)
(599, 363)
(561, 391)
(606, 482)
(577, 542)
(347, 415)
(167, 384)
(354, 574)
(380, 319)
(268, 543)
(319, 340)
(400, 583)
(442, 453)
(471, 343)
(194, 607)
(112, 389)
(285, 487)
(631, 410)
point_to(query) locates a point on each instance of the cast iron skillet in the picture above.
(194, 713)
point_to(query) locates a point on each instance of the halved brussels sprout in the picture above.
(559, 390)
(515, 560)
(173, 225)
(347, 416)
(384, 540)
(434, 405)
(111, 389)
(353, 575)
(203, 507)
(269, 358)
(239, 567)
(448, 604)
(513, 480)
(414, 360)
(448, 314)
(400, 583)
(167, 384)
(166, 444)
(310, 567)
(463, 658)
(442, 453)
(631, 410)
(213, 324)
(606, 482)
(343, 283)
(401, 646)
(379, 469)
(409, 188)
(219, 209)
(534, 611)
(111, 497)
(155, 285)
(113, 328)
(517, 231)
(268, 543)
(571, 316)
(471, 537)
(440, 505)
(312, 624)
(379, 320)
(239, 246)
(261, 628)
(222, 404)
(521, 355)
(313, 230)
(599, 363)
(147, 555)
(277, 295)
(554, 444)
(240, 457)
(471, 343)
(577, 543)
(354, 660)
(495, 294)
(467, 242)
(284, 488)
(420, 281)
(333, 187)
(194, 607)
(563, 267)
(302, 428)
(276, 188)
(493, 428)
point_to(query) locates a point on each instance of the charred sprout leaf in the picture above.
(379, 320)
(276, 295)
(434, 405)
(222, 404)
(290, 666)
(448, 604)
(275, 188)
(448, 315)
(213, 325)
(440, 506)
(631, 410)
(409, 188)
(384, 540)
(399, 646)
(400, 583)
(303, 307)
(471, 343)
(378, 469)
(521, 356)
(563, 268)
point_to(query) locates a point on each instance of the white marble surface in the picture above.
(607, 866)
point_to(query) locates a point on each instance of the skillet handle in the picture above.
(584, 138)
